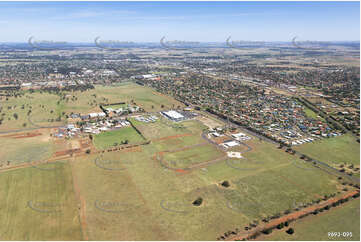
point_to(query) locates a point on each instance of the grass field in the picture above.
(164, 127)
(149, 197)
(109, 138)
(43, 107)
(341, 219)
(46, 108)
(130, 195)
(192, 156)
(144, 97)
(116, 106)
(20, 150)
(312, 114)
(38, 204)
(339, 149)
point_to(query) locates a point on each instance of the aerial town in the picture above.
(168, 140)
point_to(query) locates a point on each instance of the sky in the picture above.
(181, 21)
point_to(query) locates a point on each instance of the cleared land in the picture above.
(163, 127)
(130, 195)
(333, 150)
(144, 97)
(35, 109)
(188, 157)
(317, 227)
(22, 147)
(149, 197)
(116, 106)
(38, 203)
(30, 111)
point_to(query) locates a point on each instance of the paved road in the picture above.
(329, 169)
(322, 165)
(243, 129)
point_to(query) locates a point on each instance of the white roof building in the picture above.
(215, 134)
(234, 155)
(238, 135)
(230, 144)
(173, 114)
(93, 115)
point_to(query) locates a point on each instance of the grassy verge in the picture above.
(39, 204)
(333, 150)
(317, 227)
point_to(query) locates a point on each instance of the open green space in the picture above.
(163, 127)
(157, 199)
(312, 114)
(131, 195)
(345, 218)
(127, 135)
(192, 156)
(31, 110)
(45, 109)
(160, 210)
(340, 149)
(144, 97)
(38, 203)
(268, 174)
(23, 150)
(116, 106)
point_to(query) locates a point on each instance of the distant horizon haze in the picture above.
(82, 22)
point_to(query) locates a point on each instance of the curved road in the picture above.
(322, 165)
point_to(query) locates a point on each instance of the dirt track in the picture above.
(293, 216)
(22, 135)
(82, 204)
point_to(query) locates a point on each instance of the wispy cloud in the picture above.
(86, 14)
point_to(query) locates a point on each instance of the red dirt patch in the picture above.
(296, 215)
(22, 135)
(182, 172)
(84, 143)
(173, 137)
(67, 152)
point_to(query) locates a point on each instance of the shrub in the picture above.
(198, 201)
(280, 226)
(226, 184)
(290, 231)
(287, 211)
(267, 231)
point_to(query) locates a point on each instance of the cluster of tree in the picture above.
(236, 231)
(330, 119)
(57, 90)
(123, 142)
(286, 224)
